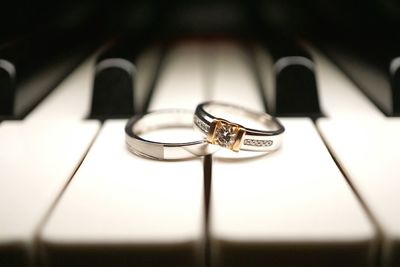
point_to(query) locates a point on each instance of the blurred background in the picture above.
(368, 20)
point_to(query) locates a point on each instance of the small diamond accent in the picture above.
(226, 136)
(254, 142)
(201, 124)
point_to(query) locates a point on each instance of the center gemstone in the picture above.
(226, 136)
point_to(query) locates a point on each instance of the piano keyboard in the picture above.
(72, 195)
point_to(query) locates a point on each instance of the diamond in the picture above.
(254, 142)
(202, 125)
(226, 135)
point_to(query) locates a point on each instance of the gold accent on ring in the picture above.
(226, 134)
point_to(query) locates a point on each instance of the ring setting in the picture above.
(226, 134)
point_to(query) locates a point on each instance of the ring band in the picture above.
(234, 136)
(163, 119)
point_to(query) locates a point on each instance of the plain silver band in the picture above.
(253, 140)
(174, 118)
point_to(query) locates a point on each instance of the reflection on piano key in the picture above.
(123, 210)
(290, 208)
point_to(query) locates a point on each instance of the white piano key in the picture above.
(123, 210)
(36, 163)
(369, 153)
(39, 156)
(339, 97)
(71, 99)
(235, 73)
(289, 208)
(366, 145)
(179, 82)
(146, 64)
(264, 61)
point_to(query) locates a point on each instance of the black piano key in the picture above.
(113, 88)
(295, 79)
(395, 81)
(374, 70)
(115, 79)
(7, 83)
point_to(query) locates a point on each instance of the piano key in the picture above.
(123, 210)
(116, 78)
(192, 79)
(368, 153)
(289, 208)
(39, 156)
(375, 74)
(365, 144)
(71, 99)
(231, 67)
(39, 63)
(291, 71)
(7, 78)
(36, 163)
(339, 97)
(149, 65)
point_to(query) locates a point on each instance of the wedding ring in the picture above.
(164, 119)
(231, 135)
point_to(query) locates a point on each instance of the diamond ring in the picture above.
(265, 136)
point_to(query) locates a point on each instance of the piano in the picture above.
(72, 73)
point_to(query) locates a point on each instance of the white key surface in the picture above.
(71, 99)
(365, 145)
(369, 154)
(289, 208)
(36, 163)
(264, 62)
(232, 70)
(146, 66)
(182, 82)
(128, 210)
(339, 97)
